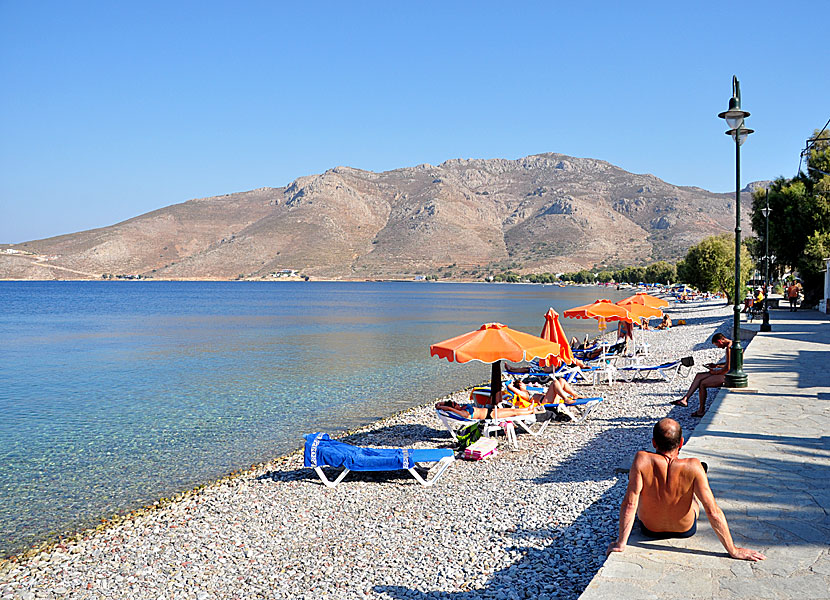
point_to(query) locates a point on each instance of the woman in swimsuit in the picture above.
(471, 411)
(559, 391)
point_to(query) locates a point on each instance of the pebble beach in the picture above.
(526, 523)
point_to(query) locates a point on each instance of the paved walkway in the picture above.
(769, 468)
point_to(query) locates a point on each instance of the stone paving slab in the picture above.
(769, 468)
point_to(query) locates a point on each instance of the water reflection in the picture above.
(117, 393)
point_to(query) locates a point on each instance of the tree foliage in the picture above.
(799, 216)
(659, 272)
(710, 266)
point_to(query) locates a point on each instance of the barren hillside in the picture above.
(547, 212)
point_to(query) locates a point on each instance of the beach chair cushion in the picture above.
(586, 404)
(663, 370)
(322, 451)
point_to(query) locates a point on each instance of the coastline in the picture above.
(536, 508)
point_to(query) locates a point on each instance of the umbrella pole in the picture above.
(495, 386)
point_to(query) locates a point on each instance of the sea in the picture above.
(114, 394)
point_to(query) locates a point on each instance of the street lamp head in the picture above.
(766, 211)
(740, 134)
(734, 116)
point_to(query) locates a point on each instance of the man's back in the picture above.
(662, 489)
(667, 497)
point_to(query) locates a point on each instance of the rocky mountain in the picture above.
(542, 213)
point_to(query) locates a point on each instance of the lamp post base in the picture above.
(735, 380)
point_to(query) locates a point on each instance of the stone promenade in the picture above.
(769, 468)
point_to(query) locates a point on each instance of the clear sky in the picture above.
(111, 109)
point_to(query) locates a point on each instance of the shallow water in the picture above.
(114, 394)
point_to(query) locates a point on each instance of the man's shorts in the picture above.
(665, 535)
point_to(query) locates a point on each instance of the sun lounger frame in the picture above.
(441, 456)
(453, 421)
(674, 368)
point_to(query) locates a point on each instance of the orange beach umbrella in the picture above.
(492, 343)
(601, 309)
(643, 311)
(554, 332)
(645, 300)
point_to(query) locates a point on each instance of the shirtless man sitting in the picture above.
(662, 492)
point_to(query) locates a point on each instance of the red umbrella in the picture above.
(492, 343)
(554, 332)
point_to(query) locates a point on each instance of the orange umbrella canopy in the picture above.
(642, 311)
(645, 300)
(554, 332)
(601, 309)
(493, 342)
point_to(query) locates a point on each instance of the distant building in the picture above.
(285, 273)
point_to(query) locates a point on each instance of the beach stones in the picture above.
(531, 523)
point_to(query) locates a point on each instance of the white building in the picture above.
(824, 303)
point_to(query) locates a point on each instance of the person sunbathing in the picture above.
(665, 323)
(663, 494)
(558, 392)
(471, 411)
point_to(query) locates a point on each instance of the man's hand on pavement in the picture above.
(614, 547)
(746, 554)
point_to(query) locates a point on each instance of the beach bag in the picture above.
(468, 435)
(481, 449)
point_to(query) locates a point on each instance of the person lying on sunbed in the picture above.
(584, 344)
(538, 370)
(471, 411)
(617, 348)
(559, 391)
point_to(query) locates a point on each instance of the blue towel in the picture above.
(321, 450)
(667, 365)
(576, 402)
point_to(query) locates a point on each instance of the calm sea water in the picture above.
(114, 394)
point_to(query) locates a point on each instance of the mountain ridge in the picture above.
(545, 212)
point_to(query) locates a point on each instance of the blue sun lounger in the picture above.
(587, 405)
(675, 368)
(322, 451)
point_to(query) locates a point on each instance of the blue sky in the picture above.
(111, 109)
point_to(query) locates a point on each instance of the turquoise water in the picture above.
(114, 394)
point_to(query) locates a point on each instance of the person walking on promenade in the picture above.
(663, 493)
(792, 296)
(714, 376)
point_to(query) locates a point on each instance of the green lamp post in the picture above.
(736, 378)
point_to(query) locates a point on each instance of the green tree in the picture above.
(800, 215)
(816, 250)
(660, 272)
(710, 266)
